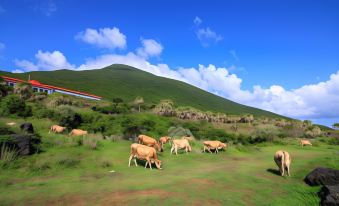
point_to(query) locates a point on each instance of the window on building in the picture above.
(35, 89)
(41, 90)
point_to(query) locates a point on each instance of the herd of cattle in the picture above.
(147, 147)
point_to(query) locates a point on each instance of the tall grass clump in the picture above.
(7, 155)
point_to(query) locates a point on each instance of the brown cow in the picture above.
(180, 144)
(216, 145)
(164, 140)
(57, 129)
(305, 142)
(144, 152)
(283, 160)
(149, 141)
(78, 132)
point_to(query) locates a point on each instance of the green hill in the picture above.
(127, 82)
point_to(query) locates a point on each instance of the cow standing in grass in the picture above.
(57, 129)
(149, 141)
(304, 142)
(78, 132)
(144, 152)
(180, 144)
(283, 161)
(215, 145)
(164, 140)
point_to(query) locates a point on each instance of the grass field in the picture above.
(66, 174)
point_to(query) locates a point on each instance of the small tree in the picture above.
(4, 89)
(335, 125)
(138, 102)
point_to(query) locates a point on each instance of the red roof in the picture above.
(38, 84)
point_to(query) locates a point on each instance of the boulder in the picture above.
(27, 127)
(24, 144)
(322, 176)
(329, 195)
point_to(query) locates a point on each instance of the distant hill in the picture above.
(128, 82)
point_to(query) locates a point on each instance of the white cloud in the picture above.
(208, 37)
(197, 21)
(17, 71)
(45, 61)
(150, 48)
(109, 38)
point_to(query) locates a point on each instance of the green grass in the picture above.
(70, 174)
(127, 82)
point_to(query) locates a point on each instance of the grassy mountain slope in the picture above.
(127, 82)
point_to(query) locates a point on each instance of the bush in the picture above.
(333, 141)
(40, 111)
(67, 117)
(13, 105)
(264, 133)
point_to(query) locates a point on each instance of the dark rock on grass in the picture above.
(329, 195)
(27, 127)
(24, 144)
(322, 176)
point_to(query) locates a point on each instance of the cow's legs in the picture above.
(129, 160)
(204, 149)
(172, 149)
(209, 149)
(135, 161)
(216, 150)
(176, 150)
(149, 162)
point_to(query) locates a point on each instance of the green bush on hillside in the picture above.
(67, 117)
(13, 105)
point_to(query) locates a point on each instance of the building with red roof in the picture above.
(49, 89)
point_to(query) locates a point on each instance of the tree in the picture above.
(138, 102)
(24, 90)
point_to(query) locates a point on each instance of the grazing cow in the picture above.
(10, 123)
(180, 144)
(164, 140)
(149, 141)
(78, 132)
(283, 160)
(216, 145)
(144, 152)
(57, 129)
(305, 142)
(27, 127)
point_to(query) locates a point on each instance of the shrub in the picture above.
(264, 133)
(68, 118)
(40, 111)
(39, 166)
(333, 141)
(12, 104)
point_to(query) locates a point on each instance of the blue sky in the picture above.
(289, 44)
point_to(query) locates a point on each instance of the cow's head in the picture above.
(158, 147)
(158, 164)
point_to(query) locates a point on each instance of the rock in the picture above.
(329, 195)
(25, 144)
(27, 127)
(322, 176)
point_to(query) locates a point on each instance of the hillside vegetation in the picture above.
(127, 83)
